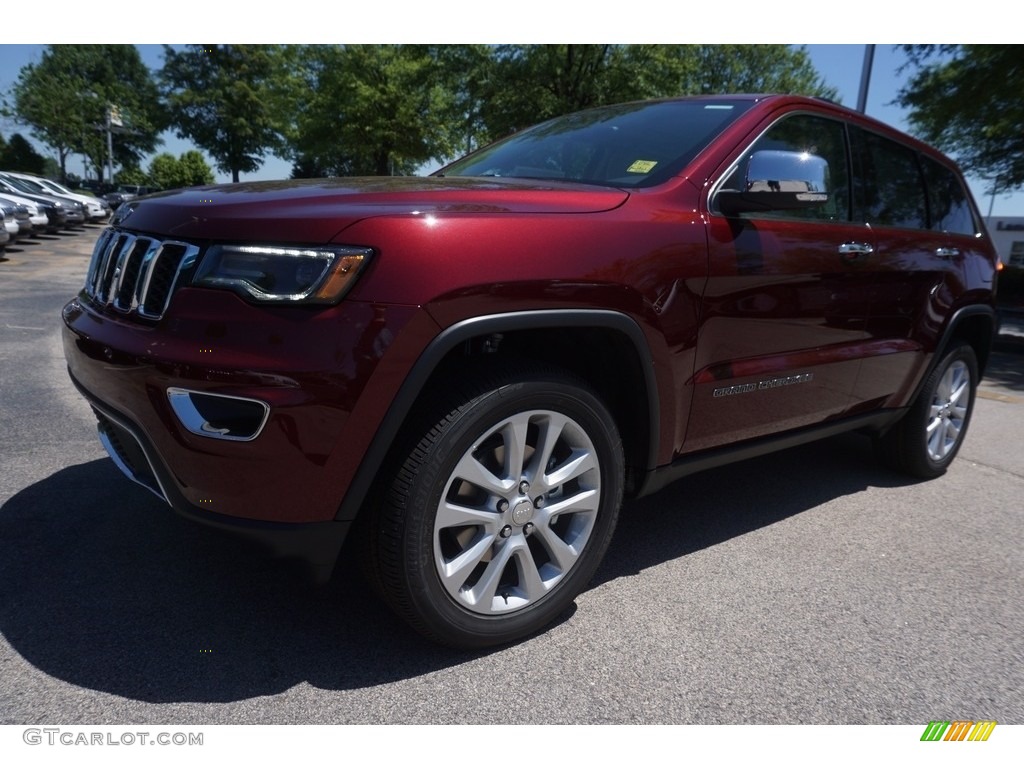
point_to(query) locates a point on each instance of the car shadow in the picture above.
(710, 507)
(102, 586)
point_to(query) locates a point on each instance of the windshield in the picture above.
(23, 185)
(53, 186)
(628, 145)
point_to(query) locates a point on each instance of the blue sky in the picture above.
(839, 64)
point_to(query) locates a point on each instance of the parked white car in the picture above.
(9, 212)
(38, 218)
(96, 209)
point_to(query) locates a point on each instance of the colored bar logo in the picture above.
(958, 730)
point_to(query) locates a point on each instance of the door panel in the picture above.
(782, 329)
(785, 308)
(918, 264)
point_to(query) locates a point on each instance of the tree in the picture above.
(163, 171)
(193, 170)
(65, 99)
(132, 174)
(189, 170)
(965, 99)
(373, 110)
(52, 171)
(223, 97)
(524, 84)
(19, 155)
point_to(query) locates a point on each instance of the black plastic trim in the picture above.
(971, 310)
(474, 327)
(717, 457)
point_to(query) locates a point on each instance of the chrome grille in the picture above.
(134, 273)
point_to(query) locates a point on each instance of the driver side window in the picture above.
(816, 136)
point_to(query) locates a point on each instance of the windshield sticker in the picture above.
(642, 166)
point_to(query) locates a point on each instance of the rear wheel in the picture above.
(501, 513)
(926, 440)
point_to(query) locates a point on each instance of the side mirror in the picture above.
(777, 180)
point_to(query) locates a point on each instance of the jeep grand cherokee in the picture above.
(472, 369)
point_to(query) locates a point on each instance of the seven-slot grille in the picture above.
(134, 273)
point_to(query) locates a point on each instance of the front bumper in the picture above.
(279, 475)
(316, 545)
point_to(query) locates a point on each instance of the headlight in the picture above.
(281, 274)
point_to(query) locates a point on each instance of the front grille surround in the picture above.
(137, 274)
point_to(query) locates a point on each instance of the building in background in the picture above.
(1008, 237)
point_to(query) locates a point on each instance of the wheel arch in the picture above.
(587, 340)
(975, 325)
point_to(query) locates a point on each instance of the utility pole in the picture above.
(110, 151)
(865, 78)
(113, 119)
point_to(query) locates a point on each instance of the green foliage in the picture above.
(523, 84)
(163, 171)
(19, 155)
(65, 98)
(50, 169)
(966, 99)
(225, 98)
(169, 172)
(360, 109)
(379, 109)
(132, 174)
(194, 170)
(373, 109)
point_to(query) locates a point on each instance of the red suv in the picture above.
(471, 370)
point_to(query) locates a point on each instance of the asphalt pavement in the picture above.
(810, 586)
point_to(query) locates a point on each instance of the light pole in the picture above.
(865, 78)
(113, 119)
(110, 151)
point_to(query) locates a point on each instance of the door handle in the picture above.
(855, 251)
(947, 253)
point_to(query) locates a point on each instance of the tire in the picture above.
(926, 440)
(500, 514)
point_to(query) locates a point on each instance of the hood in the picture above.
(316, 210)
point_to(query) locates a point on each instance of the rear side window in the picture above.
(947, 200)
(890, 191)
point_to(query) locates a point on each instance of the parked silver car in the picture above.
(96, 209)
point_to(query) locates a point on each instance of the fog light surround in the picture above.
(219, 417)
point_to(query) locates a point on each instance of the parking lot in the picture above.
(810, 586)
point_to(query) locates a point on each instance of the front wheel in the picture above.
(926, 440)
(499, 516)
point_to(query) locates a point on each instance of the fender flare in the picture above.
(465, 330)
(971, 310)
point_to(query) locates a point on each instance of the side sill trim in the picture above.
(718, 457)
